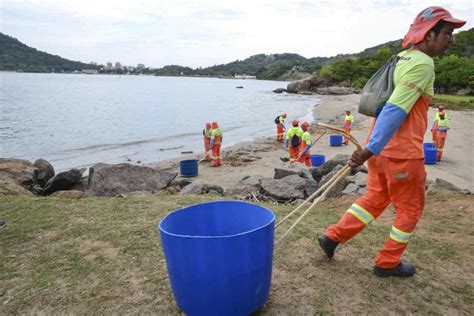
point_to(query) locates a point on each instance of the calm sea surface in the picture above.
(79, 120)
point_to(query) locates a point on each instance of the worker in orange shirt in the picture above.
(206, 135)
(215, 144)
(434, 127)
(443, 126)
(347, 125)
(305, 155)
(280, 124)
(394, 148)
(293, 141)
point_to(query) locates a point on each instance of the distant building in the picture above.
(140, 66)
(118, 66)
(109, 66)
(244, 76)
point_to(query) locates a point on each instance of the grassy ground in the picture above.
(103, 256)
(455, 102)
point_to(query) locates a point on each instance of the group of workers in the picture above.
(298, 137)
(439, 130)
(212, 136)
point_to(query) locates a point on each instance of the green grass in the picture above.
(455, 102)
(103, 256)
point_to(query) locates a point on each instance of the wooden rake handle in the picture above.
(341, 174)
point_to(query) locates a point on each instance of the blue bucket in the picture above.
(428, 145)
(219, 257)
(317, 160)
(430, 155)
(188, 168)
(335, 140)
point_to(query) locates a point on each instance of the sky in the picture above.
(202, 33)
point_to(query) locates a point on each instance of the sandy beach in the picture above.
(261, 156)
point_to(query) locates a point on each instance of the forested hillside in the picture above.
(15, 55)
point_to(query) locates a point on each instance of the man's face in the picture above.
(438, 44)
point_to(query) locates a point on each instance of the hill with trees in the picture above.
(14, 55)
(454, 71)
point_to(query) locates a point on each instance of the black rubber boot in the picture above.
(402, 270)
(327, 245)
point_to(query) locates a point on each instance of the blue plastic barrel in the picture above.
(430, 155)
(188, 168)
(335, 140)
(219, 257)
(317, 160)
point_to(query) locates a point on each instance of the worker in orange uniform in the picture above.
(215, 144)
(293, 140)
(434, 127)
(305, 155)
(280, 124)
(394, 148)
(206, 135)
(443, 126)
(348, 120)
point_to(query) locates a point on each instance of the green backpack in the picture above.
(378, 89)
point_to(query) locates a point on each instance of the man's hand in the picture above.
(359, 157)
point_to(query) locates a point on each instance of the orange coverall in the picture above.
(392, 179)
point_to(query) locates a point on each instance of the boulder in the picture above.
(307, 84)
(298, 169)
(289, 188)
(202, 188)
(16, 176)
(446, 185)
(334, 90)
(350, 188)
(179, 184)
(339, 187)
(63, 181)
(69, 194)
(245, 186)
(360, 179)
(279, 90)
(44, 171)
(330, 165)
(123, 178)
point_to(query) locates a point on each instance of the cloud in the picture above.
(207, 32)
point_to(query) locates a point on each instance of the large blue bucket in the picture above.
(317, 160)
(430, 155)
(428, 145)
(188, 168)
(335, 140)
(219, 257)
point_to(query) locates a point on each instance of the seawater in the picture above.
(76, 120)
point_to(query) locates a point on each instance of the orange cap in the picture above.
(305, 126)
(425, 21)
(295, 123)
(208, 125)
(215, 125)
(283, 114)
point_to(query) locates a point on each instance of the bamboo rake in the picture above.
(341, 174)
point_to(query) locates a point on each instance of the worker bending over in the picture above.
(293, 141)
(215, 145)
(206, 135)
(394, 149)
(348, 120)
(443, 126)
(280, 124)
(305, 156)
